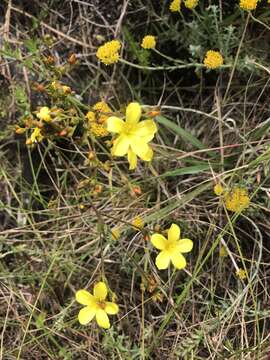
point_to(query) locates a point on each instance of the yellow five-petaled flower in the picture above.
(96, 306)
(134, 135)
(171, 248)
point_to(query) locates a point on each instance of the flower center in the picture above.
(128, 129)
(101, 304)
(170, 246)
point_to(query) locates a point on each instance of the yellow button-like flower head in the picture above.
(213, 59)
(97, 119)
(109, 52)
(148, 42)
(218, 189)
(237, 200)
(103, 111)
(175, 5)
(98, 130)
(96, 306)
(91, 116)
(248, 4)
(191, 4)
(134, 135)
(241, 274)
(44, 114)
(171, 248)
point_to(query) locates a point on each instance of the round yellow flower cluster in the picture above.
(241, 274)
(148, 42)
(98, 130)
(175, 5)
(97, 119)
(213, 59)
(248, 4)
(237, 199)
(109, 52)
(191, 4)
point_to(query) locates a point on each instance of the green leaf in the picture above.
(181, 132)
(187, 170)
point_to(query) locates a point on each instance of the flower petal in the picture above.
(139, 147)
(148, 155)
(111, 308)
(114, 124)
(84, 297)
(159, 241)
(86, 314)
(145, 128)
(163, 260)
(174, 233)
(132, 159)
(102, 319)
(121, 145)
(178, 261)
(133, 113)
(100, 291)
(184, 245)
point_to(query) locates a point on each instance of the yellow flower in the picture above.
(134, 136)
(100, 114)
(218, 189)
(96, 306)
(171, 248)
(213, 59)
(248, 4)
(148, 42)
(109, 52)
(36, 135)
(237, 200)
(103, 111)
(44, 114)
(98, 118)
(191, 4)
(241, 274)
(90, 116)
(175, 5)
(98, 130)
(138, 223)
